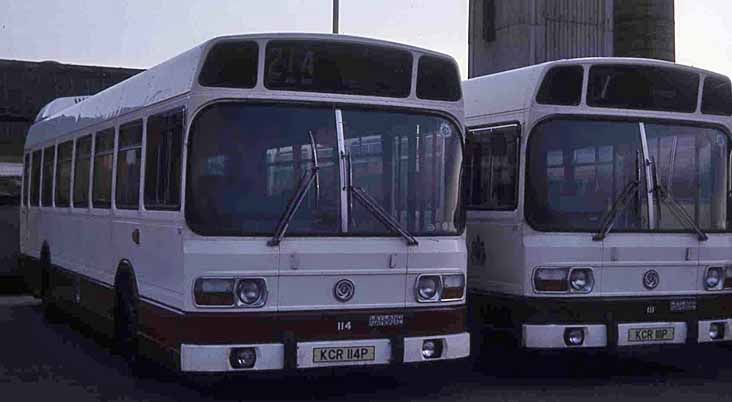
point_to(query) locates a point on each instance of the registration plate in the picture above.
(650, 334)
(344, 354)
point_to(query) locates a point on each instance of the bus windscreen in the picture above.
(343, 68)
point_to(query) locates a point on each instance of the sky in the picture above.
(143, 33)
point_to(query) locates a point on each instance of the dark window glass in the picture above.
(410, 164)
(103, 159)
(561, 86)
(575, 171)
(81, 172)
(35, 183)
(231, 64)
(319, 66)
(162, 160)
(129, 154)
(63, 173)
(438, 79)
(26, 182)
(643, 87)
(246, 162)
(717, 96)
(491, 168)
(489, 20)
(49, 155)
(691, 165)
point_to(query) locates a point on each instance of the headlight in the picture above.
(436, 288)
(429, 287)
(453, 287)
(551, 280)
(230, 292)
(214, 292)
(581, 280)
(713, 278)
(251, 292)
(564, 280)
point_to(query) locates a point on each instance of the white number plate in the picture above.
(650, 334)
(344, 354)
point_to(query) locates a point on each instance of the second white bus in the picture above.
(598, 203)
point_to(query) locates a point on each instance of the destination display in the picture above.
(343, 68)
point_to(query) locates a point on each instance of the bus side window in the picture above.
(63, 174)
(35, 182)
(129, 155)
(162, 160)
(49, 156)
(491, 168)
(103, 158)
(26, 177)
(82, 163)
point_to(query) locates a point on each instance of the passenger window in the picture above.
(103, 158)
(491, 168)
(63, 174)
(35, 178)
(438, 79)
(561, 86)
(162, 160)
(129, 154)
(717, 96)
(49, 156)
(231, 65)
(26, 176)
(81, 172)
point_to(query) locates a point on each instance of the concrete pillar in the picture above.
(644, 28)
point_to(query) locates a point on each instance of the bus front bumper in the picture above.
(313, 354)
(600, 322)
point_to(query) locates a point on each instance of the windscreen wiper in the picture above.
(618, 207)
(620, 203)
(306, 181)
(373, 206)
(676, 209)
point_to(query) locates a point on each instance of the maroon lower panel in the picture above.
(246, 327)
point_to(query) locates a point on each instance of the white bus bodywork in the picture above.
(85, 247)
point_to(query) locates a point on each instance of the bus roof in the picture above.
(515, 90)
(170, 79)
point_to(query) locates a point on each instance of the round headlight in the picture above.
(713, 277)
(428, 286)
(249, 291)
(581, 280)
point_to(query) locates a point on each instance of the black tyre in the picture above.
(50, 311)
(125, 321)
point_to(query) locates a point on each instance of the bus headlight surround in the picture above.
(251, 292)
(713, 278)
(230, 292)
